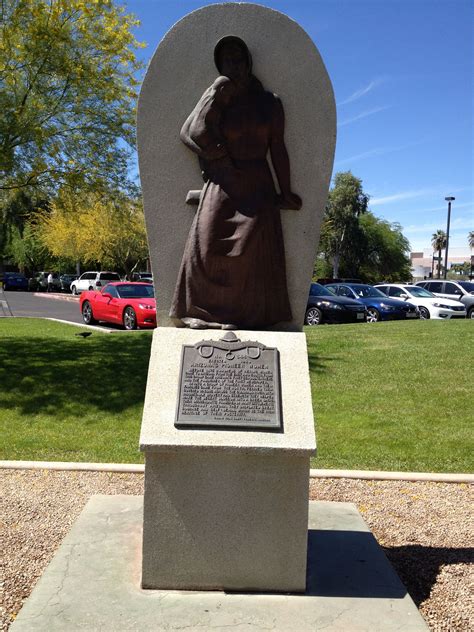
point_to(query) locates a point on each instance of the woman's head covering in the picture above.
(236, 41)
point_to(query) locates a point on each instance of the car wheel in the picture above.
(87, 315)
(129, 318)
(373, 315)
(313, 316)
(424, 313)
(470, 313)
(74, 290)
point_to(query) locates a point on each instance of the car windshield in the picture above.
(139, 290)
(109, 276)
(319, 290)
(466, 285)
(367, 291)
(419, 292)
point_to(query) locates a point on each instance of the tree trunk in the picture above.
(335, 265)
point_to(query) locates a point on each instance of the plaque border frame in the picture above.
(253, 426)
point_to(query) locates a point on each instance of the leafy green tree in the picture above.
(438, 241)
(354, 242)
(346, 203)
(67, 94)
(95, 229)
(470, 239)
(385, 251)
(27, 251)
(14, 216)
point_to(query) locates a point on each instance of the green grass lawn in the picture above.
(65, 398)
(395, 396)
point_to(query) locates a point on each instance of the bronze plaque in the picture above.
(229, 384)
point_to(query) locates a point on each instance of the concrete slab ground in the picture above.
(93, 583)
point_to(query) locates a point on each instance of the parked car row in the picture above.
(360, 302)
(430, 306)
(66, 282)
(379, 307)
(90, 281)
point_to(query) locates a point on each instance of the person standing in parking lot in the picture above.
(50, 282)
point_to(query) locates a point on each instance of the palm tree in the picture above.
(438, 241)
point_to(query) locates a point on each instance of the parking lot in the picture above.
(39, 305)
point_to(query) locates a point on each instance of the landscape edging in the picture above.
(137, 468)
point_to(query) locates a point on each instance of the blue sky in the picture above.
(403, 76)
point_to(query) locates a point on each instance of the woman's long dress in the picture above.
(233, 267)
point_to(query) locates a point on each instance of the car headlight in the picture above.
(442, 306)
(143, 306)
(331, 305)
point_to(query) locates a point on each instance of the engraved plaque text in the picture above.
(230, 384)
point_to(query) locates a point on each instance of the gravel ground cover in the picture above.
(425, 528)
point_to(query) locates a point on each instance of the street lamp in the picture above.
(448, 200)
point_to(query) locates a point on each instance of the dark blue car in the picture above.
(379, 306)
(14, 281)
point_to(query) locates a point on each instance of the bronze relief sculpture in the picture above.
(233, 272)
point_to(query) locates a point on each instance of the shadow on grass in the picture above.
(51, 376)
(418, 566)
(320, 363)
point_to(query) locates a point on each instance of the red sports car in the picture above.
(129, 304)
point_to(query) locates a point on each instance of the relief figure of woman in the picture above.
(233, 272)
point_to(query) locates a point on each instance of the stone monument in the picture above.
(235, 173)
(228, 426)
(286, 62)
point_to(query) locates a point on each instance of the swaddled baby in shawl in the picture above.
(202, 127)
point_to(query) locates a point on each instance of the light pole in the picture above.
(448, 200)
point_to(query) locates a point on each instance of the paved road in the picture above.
(29, 304)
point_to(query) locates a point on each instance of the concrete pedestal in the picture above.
(93, 583)
(226, 509)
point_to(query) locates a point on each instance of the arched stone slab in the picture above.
(287, 62)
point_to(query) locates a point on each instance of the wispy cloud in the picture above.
(363, 115)
(406, 195)
(403, 195)
(437, 209)
(362, 91)
(378, 151)
(460, 223)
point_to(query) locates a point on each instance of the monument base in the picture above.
(226, 508)
(93, 582)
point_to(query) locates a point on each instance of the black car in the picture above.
(146, 277)
(325, 307)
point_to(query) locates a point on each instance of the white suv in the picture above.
(93, 281)
(430, 306)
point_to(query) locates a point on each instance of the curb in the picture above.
(60, 297)
(132, 468)
(434, 477)
(103, 330)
